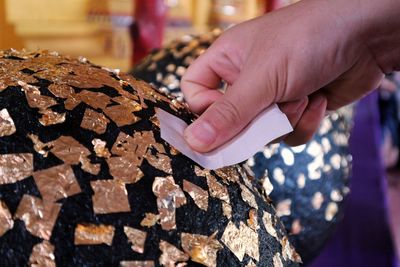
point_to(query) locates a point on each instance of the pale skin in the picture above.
(314, 56)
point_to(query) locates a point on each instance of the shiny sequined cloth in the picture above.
(86, 180)
(307, 184)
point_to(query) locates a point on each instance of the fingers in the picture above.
(204, 76)
(309, 121)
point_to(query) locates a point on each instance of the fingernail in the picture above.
(200, 135)
(316, 102)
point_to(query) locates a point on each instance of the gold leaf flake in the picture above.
(39, 216)
(34, 97)
(171, 255)
(6, 221)
(15, 167)
(228, 174)
(251, 264)
(125, 169)
(50, 117)
(94, 99)
(99, 147)
(42, 255)
(136, 264)
(136, 237)
(241, 241)
(199, 195)
(94, 121)
(269, 224)
(226, 210)
(68, 150)
(110, 196)
(120, 115)
(169, 198)
(150, 219)
(252, 220)
(248, 196)
(216, 189)
(40, 147)
(88, 166)
(201, 249)
(92, 234)
(7, 125)
(201, 172)
(160, 161)
(288, 252)
(277, 261)
(56, 182)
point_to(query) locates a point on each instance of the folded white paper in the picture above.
(266, 127)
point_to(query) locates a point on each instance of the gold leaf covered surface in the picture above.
(101, 190)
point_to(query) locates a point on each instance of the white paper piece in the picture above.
(266, 127)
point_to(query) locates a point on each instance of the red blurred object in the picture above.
(148, 28)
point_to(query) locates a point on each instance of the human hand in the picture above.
(308, 57)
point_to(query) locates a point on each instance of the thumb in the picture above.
(225, 118)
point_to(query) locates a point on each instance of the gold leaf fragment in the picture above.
(125, 169)
(248, 196)
(241, 241)
(42, 255)
(40, 147)
(216, 189)
(7, 125)
(94, 121)
(100, 149)
(56, 182)
(15, 167)
(136, 264)
(201, 249)
(269, 224)
(39, 216)
(110, 196)
(169, 198)
(50, 117)
(199, 195)
(171, 255)
(288, 252)
(136, 237)
(150, 219)
(92, 234)
(6, 221)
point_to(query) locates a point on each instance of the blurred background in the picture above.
(119, 33)
(116, 33)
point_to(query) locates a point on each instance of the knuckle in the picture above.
(226, 114)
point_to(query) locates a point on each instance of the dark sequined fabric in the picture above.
(86, 180)
(307, 184)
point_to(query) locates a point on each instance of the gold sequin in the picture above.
(94, 121)
(171, 255)
(6, 221)
(56, 182)
(92, 234)
(199, 195)
(110, 196)
(136, 237)
(7, 125)
(39, 216)
(42, 255)
(169, 198)
(15, 167)
(241, 241)
(201, 249)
